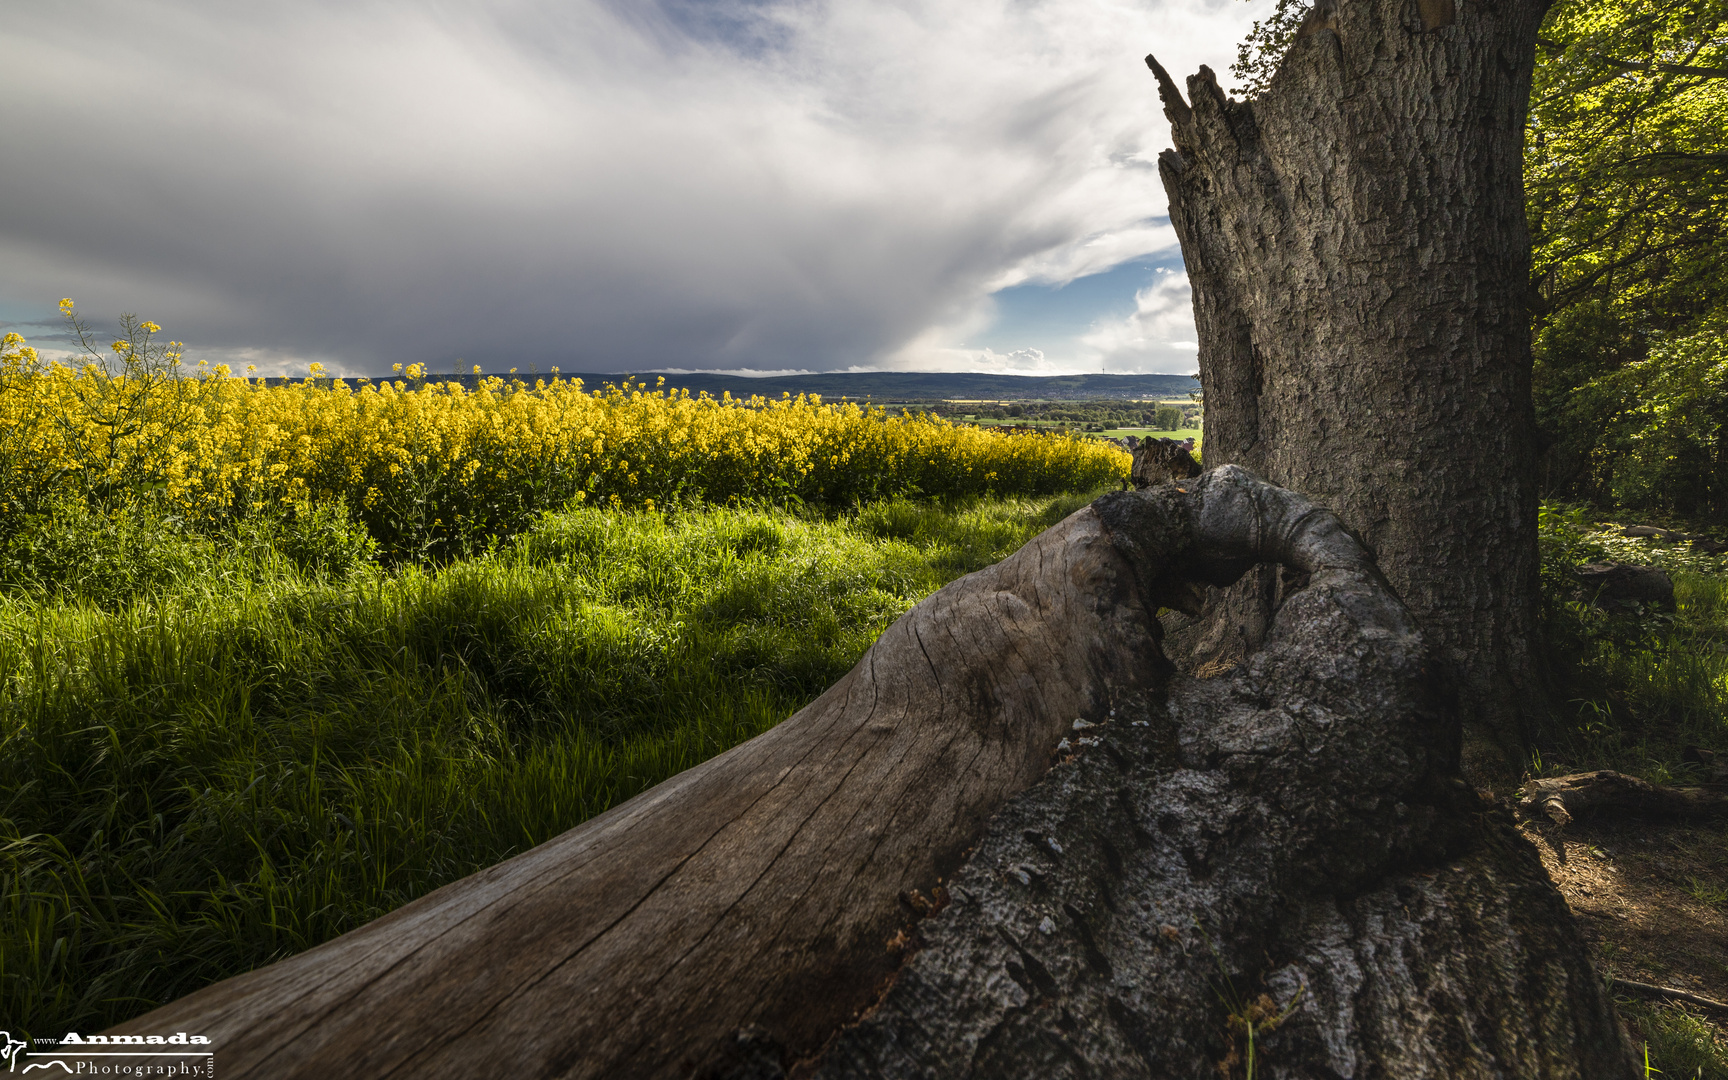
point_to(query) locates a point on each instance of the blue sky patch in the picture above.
(1051, 317)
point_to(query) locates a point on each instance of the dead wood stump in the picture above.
(1158, 460)
(1012, 842)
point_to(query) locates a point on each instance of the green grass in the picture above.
(217, 753)
(1678, 1041)
(1631, 691)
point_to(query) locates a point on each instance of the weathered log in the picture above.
(897, 882)
(1564, 798)
(1620, 585)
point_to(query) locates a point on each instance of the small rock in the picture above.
(1047, 925)
(1623, 583)
(1650, 531)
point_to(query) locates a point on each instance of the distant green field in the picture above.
(1114, 433)
(1148, 433)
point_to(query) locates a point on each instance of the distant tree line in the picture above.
(1084, 415)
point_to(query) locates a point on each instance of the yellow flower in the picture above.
(66, 304)
(149, 328)
(389, 447)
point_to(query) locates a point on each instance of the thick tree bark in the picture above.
(898, 882)
(1356, 243)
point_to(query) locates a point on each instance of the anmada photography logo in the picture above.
(124, 1056)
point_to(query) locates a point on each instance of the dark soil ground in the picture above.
(1652, 900)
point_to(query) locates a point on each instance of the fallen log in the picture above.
(1671, 994)
(1011, 842)
(1563, 798)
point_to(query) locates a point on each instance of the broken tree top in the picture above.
(1013, 841)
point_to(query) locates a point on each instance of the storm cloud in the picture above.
(599, 186)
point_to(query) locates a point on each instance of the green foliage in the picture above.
(320, 539)
(71, 553)
(1626, 181)
(1259, 54)
(1631, 692)
(1670, 452)
(222, 751)
(75, 553)
(1626, 153)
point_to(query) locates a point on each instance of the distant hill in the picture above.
(930, 386)
(888, 386)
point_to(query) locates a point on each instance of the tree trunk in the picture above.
(1356, 244)
(1273, 866)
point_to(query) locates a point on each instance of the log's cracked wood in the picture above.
(1011, 842)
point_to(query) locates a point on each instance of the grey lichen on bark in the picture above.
(1356, 245)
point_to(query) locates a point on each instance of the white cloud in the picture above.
(781, 184)
(1158, 336)
(743, 373)
(927, 355)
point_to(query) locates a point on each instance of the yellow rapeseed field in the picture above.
(431, 467)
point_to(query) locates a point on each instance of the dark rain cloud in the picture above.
(585, 184)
